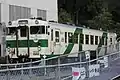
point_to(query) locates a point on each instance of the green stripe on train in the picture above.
(23, 43)
(71, 45)
(104, 35)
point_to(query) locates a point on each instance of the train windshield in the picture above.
(37, 29)
(23, 31)
(11, 30)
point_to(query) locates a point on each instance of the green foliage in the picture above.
(95, 6)
(94, 13)
(102, 20)
(64, 16)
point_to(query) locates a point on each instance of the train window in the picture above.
(46, 29)
(56, 36)
(65, 37)
(87, 39)
(91, 39)
(96, 40)
(81, 38)
(37, 29)
(51, 34)
(102, 40)
(75, 38)
(105, 41)
(70, 35)
(23, 31)
(11, 30)
(99, 39)
(111, 40)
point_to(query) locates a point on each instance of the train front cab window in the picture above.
(11, 30)
(37, 29)
(23, 31)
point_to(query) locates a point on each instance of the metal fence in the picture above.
(60, 68)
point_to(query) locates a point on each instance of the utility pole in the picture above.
(76, 12)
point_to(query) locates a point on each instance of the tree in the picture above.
(94, 7)
(102, 20)
(64, 16)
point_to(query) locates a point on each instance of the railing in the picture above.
(53, 72)
(101, 51)
(59, 68)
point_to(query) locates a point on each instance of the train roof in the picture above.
(74, 26)
(42, 22)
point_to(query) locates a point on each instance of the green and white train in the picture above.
(33, 38)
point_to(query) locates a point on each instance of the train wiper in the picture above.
(13, 34)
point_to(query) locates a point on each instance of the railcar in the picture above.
(31, 39)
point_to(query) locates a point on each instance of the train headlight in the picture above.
(35, 39)
(9, 23)
(39, 48)
(8, 49)
(36, 22)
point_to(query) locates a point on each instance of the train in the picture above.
(33, 38)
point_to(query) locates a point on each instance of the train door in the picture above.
(57, 45)
(22, 40)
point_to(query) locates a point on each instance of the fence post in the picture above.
(8, 76)
(79, 56)
(22, 73)
(44, 63)
(57, 71)
(59, 77)
(30, 69)
(87, 53)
